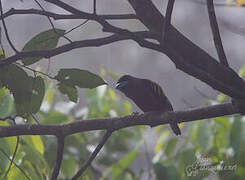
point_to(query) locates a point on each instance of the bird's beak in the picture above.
(121, 84)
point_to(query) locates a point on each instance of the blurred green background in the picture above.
(213, 148)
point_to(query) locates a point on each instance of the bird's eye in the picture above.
(121, 84)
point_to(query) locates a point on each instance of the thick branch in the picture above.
(189, 57)
(216, 35)
(120, 122)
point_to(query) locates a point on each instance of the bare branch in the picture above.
(216, 35)
(51, 23)
(34, 71)
(94, 6)
(6, 30)
(55, 16)
(93, 155)
(79, 44)
(167, 21)
(187, 56)
(59, 157)
(80, 25)
(151, 119)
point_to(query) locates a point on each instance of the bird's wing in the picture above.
(155, 88)
(159, 94)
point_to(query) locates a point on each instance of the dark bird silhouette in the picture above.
(147, 95)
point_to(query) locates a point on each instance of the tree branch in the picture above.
(55, 16)
(216, 35)
(83, 43)
(167, 22)
(93, 155)
(6, 30)
(59, 157)
(151, 119)
(187, 56)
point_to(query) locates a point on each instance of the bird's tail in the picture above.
(175, 128)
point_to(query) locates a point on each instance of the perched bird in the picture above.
(147, 95)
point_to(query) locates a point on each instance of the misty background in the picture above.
(127, 57)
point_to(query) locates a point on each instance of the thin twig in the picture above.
(35, 118)
(52, 24)
(59, 157)
(93, 155)
(77, 26)
(6, 30)
(94, 7)
(216, 35)
(6, 155)
(34, 71)
(167, 21)
(14, 154)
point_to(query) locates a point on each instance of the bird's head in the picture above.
(124, 83)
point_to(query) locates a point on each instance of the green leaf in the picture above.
(38, 91)
(3, 159)
(186, 158)
(68, 166)
(166, 172)
(18, 82)
(28, 92)
(170, 147)
(80, 78)
(38, 143)
(54, 117)
(221, 134)
(35, 158)
(118, 168)
(204, 135)
(161, 141)
(2, 55)
(70, 91)
(43, 41)
(236, 135)
(221, 97)
(242, 71)
(224, 122)
(6, 103)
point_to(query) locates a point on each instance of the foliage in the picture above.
(213, 148)
(219, 140)
(43, 41)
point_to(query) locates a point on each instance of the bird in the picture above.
(147, 95)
